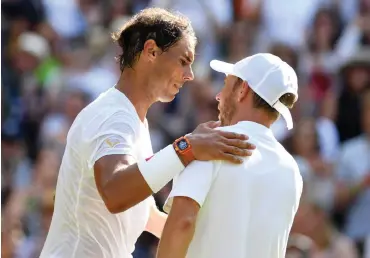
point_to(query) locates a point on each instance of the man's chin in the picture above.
(167, 99)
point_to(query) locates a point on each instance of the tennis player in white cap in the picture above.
(240, 210)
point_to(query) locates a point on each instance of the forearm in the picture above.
(175, 241)
(124, 189)
(132, 183)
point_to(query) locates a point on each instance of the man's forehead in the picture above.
(184, 47)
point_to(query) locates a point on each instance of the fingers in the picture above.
(237, 151)
(232, 135)
(241, 144)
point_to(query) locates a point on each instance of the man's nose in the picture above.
(188, 74)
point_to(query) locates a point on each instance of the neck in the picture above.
(135, 88)
(255, 115)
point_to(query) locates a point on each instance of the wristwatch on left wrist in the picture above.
(184, 150)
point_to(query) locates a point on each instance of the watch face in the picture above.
(182, 145)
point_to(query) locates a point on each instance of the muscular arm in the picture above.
(119, 182)
(179, 229)
(126, 175)
(187, 196)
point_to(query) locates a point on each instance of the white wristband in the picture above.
(161, 168)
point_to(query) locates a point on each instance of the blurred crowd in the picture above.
(57, 56)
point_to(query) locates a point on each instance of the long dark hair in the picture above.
(337, 24)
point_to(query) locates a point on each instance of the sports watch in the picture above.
(183, 149)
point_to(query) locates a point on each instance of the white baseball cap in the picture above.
(268, 76)
(34, 44)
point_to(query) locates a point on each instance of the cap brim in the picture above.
(222, 67)
(285, 112)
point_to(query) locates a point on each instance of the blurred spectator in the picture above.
(355, 75)
(25, 95)
(321, 41)
(316, 172)
(65, 18)
(239, 42)
(312, 221)
(286, 53)
(287, 25)
(353, 172)
(81, 71)
(364, 19)
(56, 125)
(40, 197)
(13, 157)
(329, 136)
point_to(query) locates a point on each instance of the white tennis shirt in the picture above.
(82, 227)
(247, 210)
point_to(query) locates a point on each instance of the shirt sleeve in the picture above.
(117, 135)
(344, 172)
(194, 182)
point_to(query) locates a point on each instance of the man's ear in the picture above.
(150, 50)
(243, 91)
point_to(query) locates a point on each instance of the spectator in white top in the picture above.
(219, 210)
(285, 25)
(354, 178)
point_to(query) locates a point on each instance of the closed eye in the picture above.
(183, 62)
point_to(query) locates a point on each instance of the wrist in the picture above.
(161, 168)
(184, 150)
